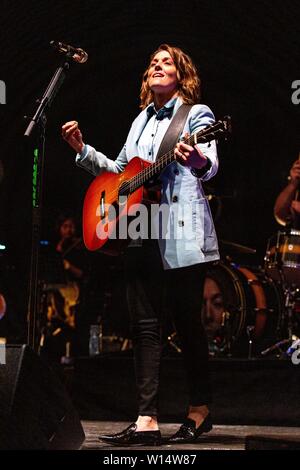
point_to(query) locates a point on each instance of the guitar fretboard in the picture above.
(205, 135)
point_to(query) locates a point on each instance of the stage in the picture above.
(220, 438)
(255, 403)
(258, 392)
(65, 407)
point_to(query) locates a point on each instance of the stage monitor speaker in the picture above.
(272, 443)
(35, 410)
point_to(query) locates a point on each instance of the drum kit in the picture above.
(253, 311)
(282, 263)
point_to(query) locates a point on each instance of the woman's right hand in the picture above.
(71, 134)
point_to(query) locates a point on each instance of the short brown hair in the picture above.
(188, 79)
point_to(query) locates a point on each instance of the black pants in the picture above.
(149, 289)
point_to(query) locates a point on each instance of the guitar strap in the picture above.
(174, 130)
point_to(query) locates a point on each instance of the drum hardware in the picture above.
(282, 264)
(290, 300)
(172, 342)
(228, 337)
(278, 347)
(282, 258)
(250, 332)
(238, 248)
(253, 282)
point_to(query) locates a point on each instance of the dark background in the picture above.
(247, 54)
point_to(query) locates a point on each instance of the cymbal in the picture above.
(239, 248)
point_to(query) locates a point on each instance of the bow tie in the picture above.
(161, 114)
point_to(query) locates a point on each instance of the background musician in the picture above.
(287, 205)
(65, 297)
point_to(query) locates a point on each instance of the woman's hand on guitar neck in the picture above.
(71, 134)
(188, 155)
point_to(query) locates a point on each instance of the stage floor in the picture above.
(220, 438)
(245, 392)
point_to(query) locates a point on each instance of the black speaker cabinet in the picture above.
(35, 410)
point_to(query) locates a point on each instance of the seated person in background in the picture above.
(214, 314)
(65, 297)
(287, 205)
(213, 310)
(68, 246)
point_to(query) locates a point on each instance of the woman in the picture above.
(174, 263)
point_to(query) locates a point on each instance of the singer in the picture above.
(287, 205)
(167, 267)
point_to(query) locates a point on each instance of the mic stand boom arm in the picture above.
(50, 93)
(39, 121)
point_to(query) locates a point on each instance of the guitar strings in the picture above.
(139, 179)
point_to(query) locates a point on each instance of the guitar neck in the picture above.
(205, 135)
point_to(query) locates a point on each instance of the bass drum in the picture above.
(242, 310)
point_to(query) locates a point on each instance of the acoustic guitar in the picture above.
(110, 196)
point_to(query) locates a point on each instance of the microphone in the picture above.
(76, 53)
(275, 346)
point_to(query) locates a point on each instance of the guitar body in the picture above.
(102, 213)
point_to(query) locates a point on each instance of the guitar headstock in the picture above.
(221, 128)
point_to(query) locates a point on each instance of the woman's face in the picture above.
(162, 74)
(67, 229)
(213, 307)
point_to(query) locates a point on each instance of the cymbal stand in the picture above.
(289, 305)
(289, 292)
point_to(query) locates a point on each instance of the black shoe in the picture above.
(130, 437)
(188, 431)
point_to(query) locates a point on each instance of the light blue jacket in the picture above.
(190, 236)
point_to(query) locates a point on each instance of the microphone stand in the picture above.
(38, 121)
